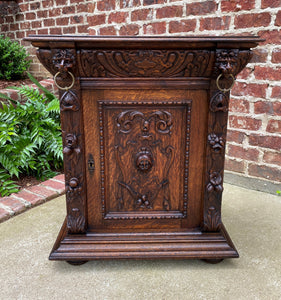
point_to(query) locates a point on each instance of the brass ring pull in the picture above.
(68, 87)
(228, 89)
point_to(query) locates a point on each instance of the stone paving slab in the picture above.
(251, 218)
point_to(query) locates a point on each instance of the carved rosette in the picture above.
(228, 62)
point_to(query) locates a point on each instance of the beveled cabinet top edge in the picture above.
(64, 41)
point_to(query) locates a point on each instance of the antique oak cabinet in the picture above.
(144, 124)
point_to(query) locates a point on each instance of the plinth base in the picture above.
(143, 245)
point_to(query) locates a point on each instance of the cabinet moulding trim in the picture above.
(165, 83)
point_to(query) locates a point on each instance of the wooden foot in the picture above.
(213, 261)
(76, 263)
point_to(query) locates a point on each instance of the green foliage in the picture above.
(13, 59)
(30, 136)
(278, 193)
(7, 186)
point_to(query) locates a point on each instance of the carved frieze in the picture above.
(144, 63)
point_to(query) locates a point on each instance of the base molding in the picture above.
(143, 245)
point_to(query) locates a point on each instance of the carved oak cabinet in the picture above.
(144, 124)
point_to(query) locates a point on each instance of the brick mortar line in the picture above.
(49, 188)
(258, 163)
(261, 133)
(23, 201)
(248, 146)
(57, 180)
(8, 209)
(36, 194)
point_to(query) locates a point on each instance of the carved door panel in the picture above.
(140, 148)
(142, 154)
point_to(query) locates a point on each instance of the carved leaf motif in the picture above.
(219, 102)
(69, 101)
(45, 57)
(144, 63)
(75, 221)
(212, 220)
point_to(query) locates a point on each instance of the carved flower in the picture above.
(71, 144)
(217, 143)
(215, 183)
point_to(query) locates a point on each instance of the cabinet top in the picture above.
(143, 42)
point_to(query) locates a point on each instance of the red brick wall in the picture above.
(254, 136)
(21, 18)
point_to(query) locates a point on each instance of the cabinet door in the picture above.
(140, 143)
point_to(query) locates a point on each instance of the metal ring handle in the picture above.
(68, 87)
(231, 86)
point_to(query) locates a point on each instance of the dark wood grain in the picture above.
(144, 134)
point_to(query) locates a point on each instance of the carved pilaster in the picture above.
(63, 63)
(228, 63)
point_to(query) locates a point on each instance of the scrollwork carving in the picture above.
(163, 121)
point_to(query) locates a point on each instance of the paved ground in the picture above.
(253, 220)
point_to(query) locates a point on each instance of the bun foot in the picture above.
(76, 263)
(213, 261)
